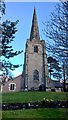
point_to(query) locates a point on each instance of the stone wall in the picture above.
(34, 61)
(17, 81)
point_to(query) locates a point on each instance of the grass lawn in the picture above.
(36, 113)
(20, 97)
(0, 114)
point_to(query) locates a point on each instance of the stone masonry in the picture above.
(35, 60)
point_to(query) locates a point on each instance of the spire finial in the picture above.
(34, 29)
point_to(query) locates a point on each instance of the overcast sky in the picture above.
(23, 11)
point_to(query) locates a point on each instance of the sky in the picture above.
(33, 0)
(23, 11)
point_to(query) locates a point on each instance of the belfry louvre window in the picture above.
(36, 75)
(36, 49)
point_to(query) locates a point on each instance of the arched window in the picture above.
(36, 75)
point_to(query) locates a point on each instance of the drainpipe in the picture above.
(44, 76)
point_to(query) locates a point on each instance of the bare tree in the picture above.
(57, 32)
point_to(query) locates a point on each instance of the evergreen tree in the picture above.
(54, 68)
(8, 30)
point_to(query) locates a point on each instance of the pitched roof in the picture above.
(56, 84)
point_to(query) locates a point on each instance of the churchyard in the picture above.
(35, 111)
(20, 97)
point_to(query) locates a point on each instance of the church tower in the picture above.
(35, 68)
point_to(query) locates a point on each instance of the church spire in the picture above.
(34, 29)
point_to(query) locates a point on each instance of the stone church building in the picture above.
(35, 68)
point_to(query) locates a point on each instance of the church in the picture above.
(35, 74)
(35, 68)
